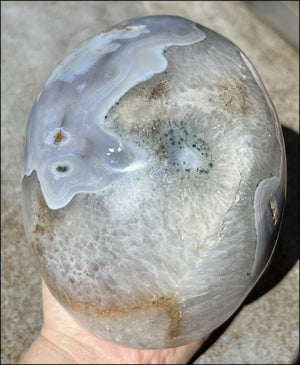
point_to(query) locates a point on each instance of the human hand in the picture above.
(64, 341)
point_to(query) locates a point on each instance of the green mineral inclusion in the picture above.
(180, 138)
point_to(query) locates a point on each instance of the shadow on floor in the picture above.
(286, 253)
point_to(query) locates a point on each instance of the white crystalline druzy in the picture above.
(153, 181)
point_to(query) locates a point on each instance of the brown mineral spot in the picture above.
(272, 208)
(23, 141)
(58, 137)
(232, 95)
(61, 168)
(234, 98)
(159, 90)
(160, 154)
(120, 27)
(99, 50)
(39, 230)
(170, 306)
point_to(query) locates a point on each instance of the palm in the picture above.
(61, 330)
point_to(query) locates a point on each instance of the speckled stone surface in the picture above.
(35, 35)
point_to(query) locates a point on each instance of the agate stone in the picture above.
(153, 181)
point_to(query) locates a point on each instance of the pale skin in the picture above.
(63, 341)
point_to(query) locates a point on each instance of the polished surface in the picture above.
(165, 105)
(266, 330)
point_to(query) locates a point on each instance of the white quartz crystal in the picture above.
(153, 181)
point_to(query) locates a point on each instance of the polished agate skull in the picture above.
(153, 181)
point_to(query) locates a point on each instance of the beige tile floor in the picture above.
(35, 35)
